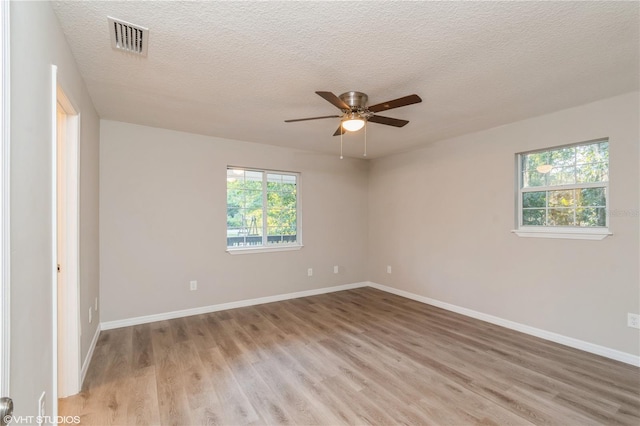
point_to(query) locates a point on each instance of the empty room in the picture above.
(320, 213)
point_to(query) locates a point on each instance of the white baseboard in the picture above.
(87, 358)
(108, 325)
(543, 334)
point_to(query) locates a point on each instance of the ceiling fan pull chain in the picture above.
(341, 157)
(365, 139)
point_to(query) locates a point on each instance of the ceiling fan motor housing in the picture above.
(356, 100)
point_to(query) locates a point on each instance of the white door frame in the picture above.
(5, 107)
(65, 292)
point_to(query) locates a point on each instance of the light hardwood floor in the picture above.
(353, 357)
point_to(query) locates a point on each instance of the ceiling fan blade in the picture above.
(311, 118)
(396, 103)
(330, 97)
(388, 121)
(339, 131)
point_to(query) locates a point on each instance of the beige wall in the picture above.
(36, 43)
(441, 217)
(163, 222)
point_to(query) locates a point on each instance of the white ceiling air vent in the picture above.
(128, 37)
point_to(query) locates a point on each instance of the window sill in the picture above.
(251, 250)
(564, 233)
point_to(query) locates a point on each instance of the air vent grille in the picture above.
(128, 37)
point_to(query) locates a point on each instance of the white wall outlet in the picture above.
(96, 303)
(90, 314)
(193, 285)
(336, 269)
(41, 408)
(633, 320)
(388, 269)
(310, 272)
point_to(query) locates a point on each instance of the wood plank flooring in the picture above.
(352, 357)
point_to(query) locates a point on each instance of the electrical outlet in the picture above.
(388, 269)
(193, 285)
(336, 269)
(633, 320)
(90, 312)
(310, 272)
(96, 307)
(41, 410)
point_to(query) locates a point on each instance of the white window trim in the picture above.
(262, 249)
(563, 232)
(280, 247)
(558, 232)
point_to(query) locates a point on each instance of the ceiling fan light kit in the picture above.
(352, 123)
(355, 112)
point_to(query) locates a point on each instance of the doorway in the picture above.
(4, 209)
(66, 298)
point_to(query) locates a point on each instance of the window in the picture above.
(563, 192)
(263, 210)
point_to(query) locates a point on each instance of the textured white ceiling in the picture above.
(238, 69)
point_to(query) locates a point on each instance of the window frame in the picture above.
(566, 232)
(265, 247)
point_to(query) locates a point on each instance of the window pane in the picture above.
(563, 157)
(234, 196)
(288, 219)
(244, 208)
(281, 216)
(237, 237)
(282, 239)
(562, 198)
(275, 230)
(253, 176)
(281, 178)
(247, 220)
(253, 225)
(252, 185)
(234, 219)
(274, 177)
(281, 183)
(534, 160)
(290, 179)
(235, 241)
(533, 179)
(591, 197)
(282, 208)
(534, 199)
(533, 217)
(273, 186)
(287, 188)
(593, 153)
(560, 217)
(233, 231)
(235, 172)
(593, 172)
(562, 175)
(251, 200)
(596, 216)
(278, 200)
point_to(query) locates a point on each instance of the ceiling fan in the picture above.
(355, 111)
